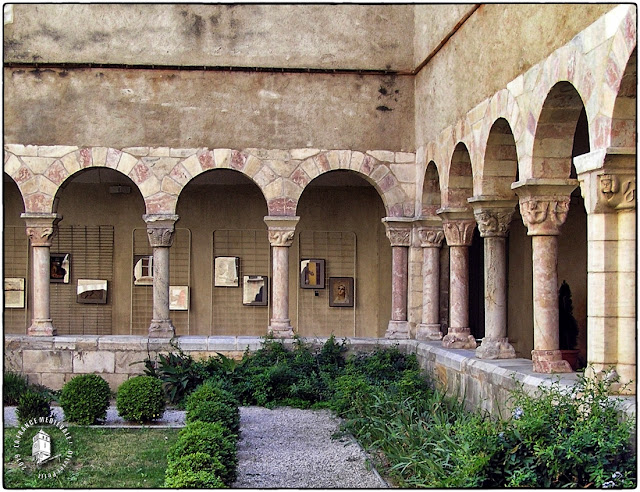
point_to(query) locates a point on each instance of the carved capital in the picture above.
(160, 229)
(398, 231)
(281, 237)
(430, 237)
(493, 222)
(41, 228)
(617, 191)
(544, 216)
(281, 229)
(459, 232)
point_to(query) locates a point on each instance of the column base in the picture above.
(549, 362)
(41, 328)
(459, 338)
(429, 332)
(399, 330)
(281, 328)
(161, 328)
(495, 348)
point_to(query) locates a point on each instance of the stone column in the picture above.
(281, 234)
(431, 238)
(544, 205)
(399, 233)
(161, 229)
(458, 225)
(493, 217)
(41, 228)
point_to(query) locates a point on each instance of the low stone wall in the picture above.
(481, 384)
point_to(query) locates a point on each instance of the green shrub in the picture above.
(179, 373)
(141, 399)
(210, 403)
(85, 399)
(195, 470)
(32, 406)
(211, 438)
(14, 386)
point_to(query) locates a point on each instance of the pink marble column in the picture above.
(431, 238)
(41, 228)
(281, 234)
(458, 225)
(493, 218)
(399, 234)
(161, 229)
(544, 205)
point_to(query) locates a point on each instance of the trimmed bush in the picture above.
(13, 387)
(85, 399)
(210, 403)
(141, 399)
(32, 405)
(195, 470)
(209, 438)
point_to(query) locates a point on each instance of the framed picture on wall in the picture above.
(255, 290)
(178, 298)
(60, 268)
(312, 274)
(143, 269)
(90, 291)
(225, 271)
(341, 291)
(14, 293)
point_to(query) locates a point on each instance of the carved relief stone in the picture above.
(399, 236)
(41, 228)
(430, 237)
(493, 222)
(618, 192)
(280, 237)
(459, 232)
(544, 216)
(160, 229)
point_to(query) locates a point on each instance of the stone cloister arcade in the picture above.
(550, 157)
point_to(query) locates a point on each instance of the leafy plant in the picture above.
(85, 399)
(141, 399)
(195, 470)
(14, 386)
(210, 403)
(211, 438)
(32, 406)
(179, 374)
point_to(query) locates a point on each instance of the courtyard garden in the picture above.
(414, 434)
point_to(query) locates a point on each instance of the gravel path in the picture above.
(280, 448)
(292, 448)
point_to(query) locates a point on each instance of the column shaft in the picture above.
(459, 288)
(431, 286)
(495, 297)
(399, 259)
(160, 284)
(280, 301)
(40, 271)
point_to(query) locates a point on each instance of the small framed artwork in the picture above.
(225, 270)
(341, 291)
(179, 298)
(312, 274)
(60, 268)
(254, 290)
(91, 291)
(14, 293)
(143, 270)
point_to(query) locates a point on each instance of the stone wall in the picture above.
(483, 385)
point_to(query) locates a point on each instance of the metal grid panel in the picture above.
(91, 249)
(16, 264)
(229, 315)
(315, 317)
(179, 274)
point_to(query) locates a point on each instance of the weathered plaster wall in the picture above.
(188, 109)
(289, 36)
(496, 44)
(432, 24)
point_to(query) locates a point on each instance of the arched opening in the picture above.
(222, 212)
(15, 259)
(340, 223)
(563, 134)
(99, 208)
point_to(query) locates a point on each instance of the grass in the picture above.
(113, 458)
